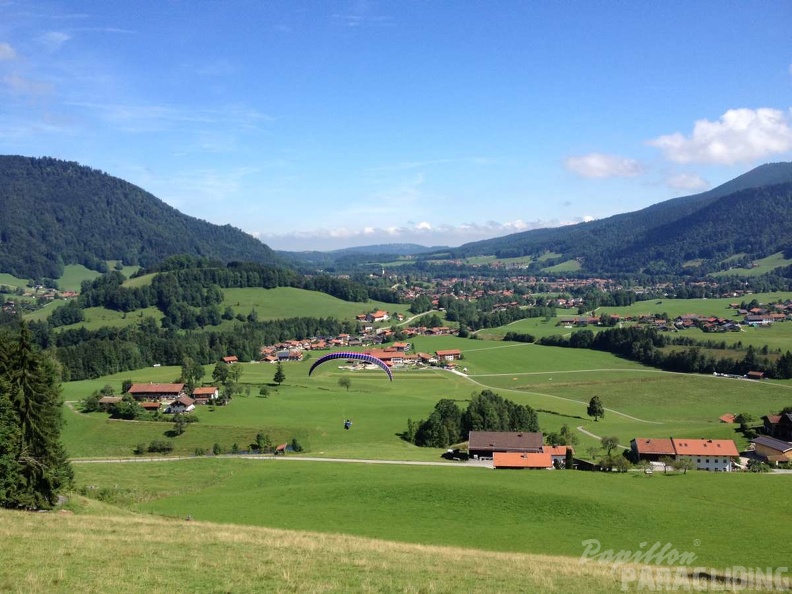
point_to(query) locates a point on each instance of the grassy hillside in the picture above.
(547, 512)
(104, 553)
(288, 302)
(762, 266)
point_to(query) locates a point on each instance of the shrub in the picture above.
(160, 446)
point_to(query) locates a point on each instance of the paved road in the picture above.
(468, 464)
(597, 437)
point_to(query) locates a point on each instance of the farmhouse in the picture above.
(205, 394)
(707, 454)
(516, 460)
(448, 355)
(183, 404)
(153, 391)
(772, 449)
(378, 316)
(483, 444)
(231, 359)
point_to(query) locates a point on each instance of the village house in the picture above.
(377, 316)
(152, 391)
(183, 404)
(448, 355)
(205, 394)
(483, 444)
(230, 359)
(707, 454)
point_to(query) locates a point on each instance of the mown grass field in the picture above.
(101, 549)
(510, 511)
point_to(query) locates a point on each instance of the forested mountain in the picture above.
(751, 215)
(59, 212)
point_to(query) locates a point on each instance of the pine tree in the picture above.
(280, 376)
(31, 419)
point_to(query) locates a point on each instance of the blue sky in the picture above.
(322, 125)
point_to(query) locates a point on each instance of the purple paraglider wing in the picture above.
(356, 356)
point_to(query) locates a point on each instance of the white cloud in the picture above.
(25, 86)
(53, 40)
(599, 165)
(687, 181)
(739, 136)
(6, 52)
(423, 233)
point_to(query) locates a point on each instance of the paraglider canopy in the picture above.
(355, 356)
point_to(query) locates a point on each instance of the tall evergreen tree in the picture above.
(31, 418)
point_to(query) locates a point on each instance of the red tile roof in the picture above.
(705, 447)
(727, 418)
(557, 450)
(156, 388)
(208, 390)
(518, 460)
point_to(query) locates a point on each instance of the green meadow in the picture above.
(284, 302)
(514, 511)
(9, 280)
(640, 402)
(777, 336)
(763, 266)
(455, 506)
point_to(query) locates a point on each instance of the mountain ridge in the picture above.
(60, 212)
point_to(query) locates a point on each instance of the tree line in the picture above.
(487, 411)
(85, 354)
(647, 346)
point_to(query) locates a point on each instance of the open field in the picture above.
(10, 280)
(641, 402)
(74, 275)
(526, 512)
(454, 527)
(101, 550)
(566, 266)
(777, 336)
(288, 302)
